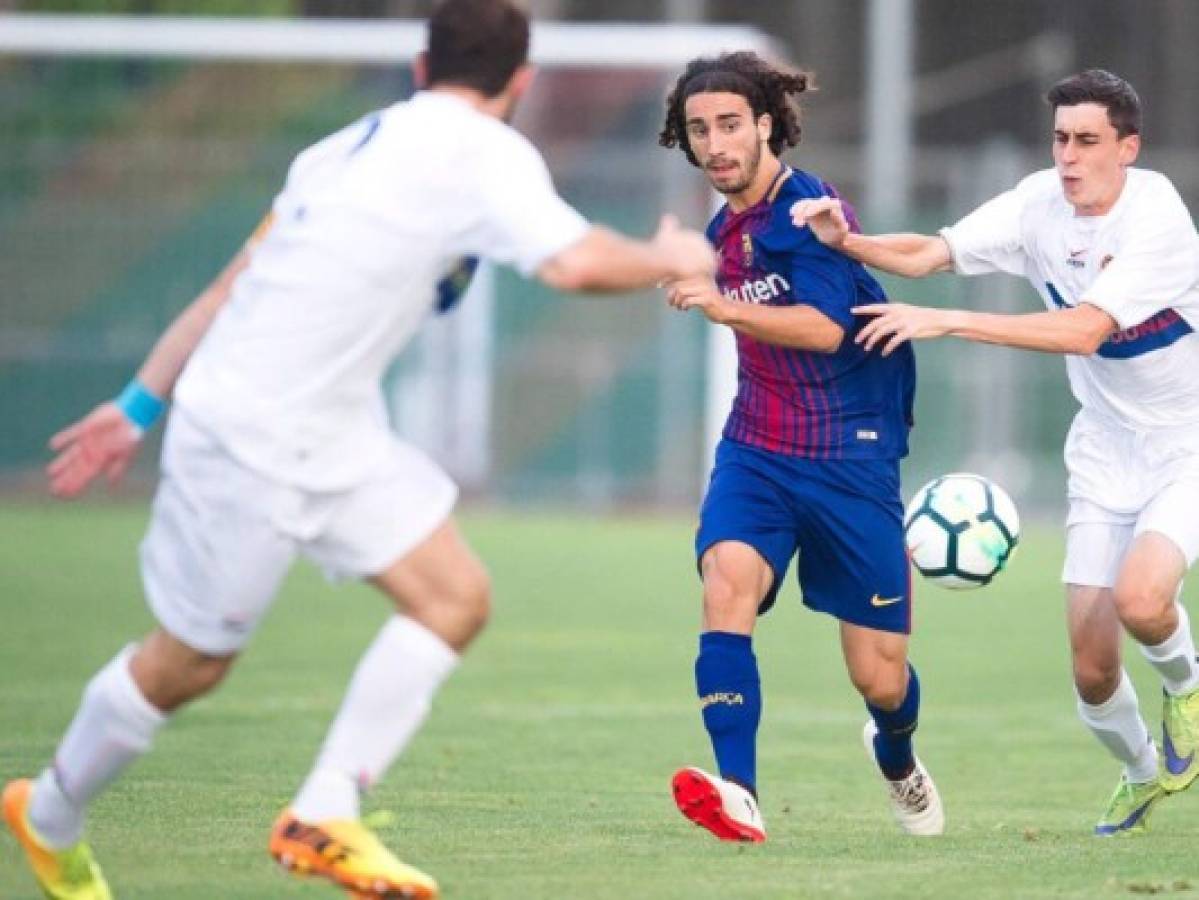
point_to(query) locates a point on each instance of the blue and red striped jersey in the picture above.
(849, 404)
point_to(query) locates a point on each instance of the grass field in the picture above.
(543, 771)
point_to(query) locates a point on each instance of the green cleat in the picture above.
(1129, 808)
(70, 874)
(1180, 739)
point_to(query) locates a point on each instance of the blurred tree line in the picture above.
(1150, 42)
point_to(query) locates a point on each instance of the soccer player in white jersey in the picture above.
(1114, 254)
(278, 446)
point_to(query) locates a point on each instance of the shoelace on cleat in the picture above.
(912, 793)
(318, 839)
(1127, 789)
(1180, 723)
(1123, 791)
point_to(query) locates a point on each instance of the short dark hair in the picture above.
(766, 88)
(1110, 91)
(478, 44)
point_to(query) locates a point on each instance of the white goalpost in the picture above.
(374, 41)
(447, 402)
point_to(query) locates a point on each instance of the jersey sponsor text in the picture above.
(760, 290)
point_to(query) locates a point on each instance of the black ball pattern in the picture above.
(954, 530)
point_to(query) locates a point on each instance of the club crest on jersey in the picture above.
(747, 250)
(1103, 263)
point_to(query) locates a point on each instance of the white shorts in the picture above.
(222, 537)
(1124, 483)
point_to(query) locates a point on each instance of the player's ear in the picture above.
(420, 70)
(765, 126)
(520, 81)
(1130, 147)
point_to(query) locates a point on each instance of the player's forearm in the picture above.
(171, 352)
(1063, 331)
(604, 260)
(796, 327)
(910, 255)
(624, 264)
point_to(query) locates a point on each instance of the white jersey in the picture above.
(371, 233)
(1139, 263)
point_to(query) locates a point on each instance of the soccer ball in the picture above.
(960, 530)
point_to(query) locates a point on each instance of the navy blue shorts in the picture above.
(843, 517)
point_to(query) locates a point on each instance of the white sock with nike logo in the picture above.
(1118, 725)
(1174, 658)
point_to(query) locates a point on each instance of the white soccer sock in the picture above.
(115, 724)
(388, 698)
(1118, 725)
(1174, 658)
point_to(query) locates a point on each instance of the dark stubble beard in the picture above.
(751, 172)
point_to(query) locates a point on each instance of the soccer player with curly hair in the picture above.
(278, 445)
(809, 460)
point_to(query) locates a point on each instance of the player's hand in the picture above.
(685, 252)
(825, 216)
(894, 323)
(699, 292)
(103, 441)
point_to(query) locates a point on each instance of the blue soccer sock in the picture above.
(730, 694)
(893, 743)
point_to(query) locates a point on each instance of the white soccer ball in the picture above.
(960, 530)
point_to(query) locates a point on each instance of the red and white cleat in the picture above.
(726, 809)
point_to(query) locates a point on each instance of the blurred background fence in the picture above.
(126, 181)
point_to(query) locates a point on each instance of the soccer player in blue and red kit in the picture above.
(809, 461)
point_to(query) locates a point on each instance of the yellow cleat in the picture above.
(347, 853)
(1180, 741)
(1128, 810)
(70, 874)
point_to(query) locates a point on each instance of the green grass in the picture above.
(544, 769)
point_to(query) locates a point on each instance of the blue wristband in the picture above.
(140, 406)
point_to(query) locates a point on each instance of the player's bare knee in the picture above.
(473, 598)
(863, 684)
(1146, 611)
(719, 591)
(170, 674)
(1096, 670)
(725, 606)
(209, 671)
(1096, 680)
(458, 605)
(881, 688)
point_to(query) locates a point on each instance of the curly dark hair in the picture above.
(766, 88)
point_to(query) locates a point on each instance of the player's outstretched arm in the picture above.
(825, 216)
(1078, 330)
(106, 440)
(799, 327)
(907, 254)
(605, 261)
